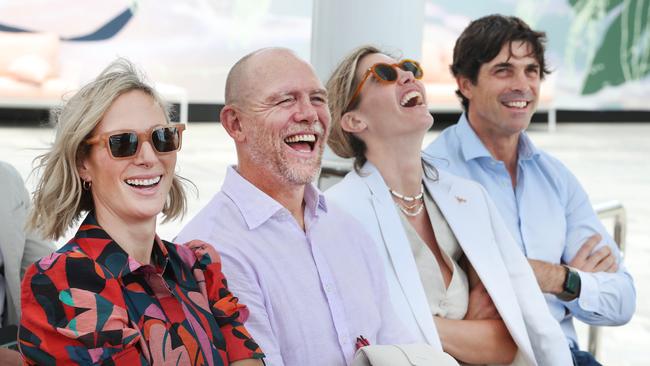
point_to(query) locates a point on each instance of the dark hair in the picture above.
(484, 38)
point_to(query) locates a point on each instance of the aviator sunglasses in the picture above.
(126, 143)
(386, 74)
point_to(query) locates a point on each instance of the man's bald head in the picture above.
(240, 78)
(272, 96)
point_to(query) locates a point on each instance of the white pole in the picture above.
(339, 26)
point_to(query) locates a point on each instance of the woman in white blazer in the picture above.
(439, 234)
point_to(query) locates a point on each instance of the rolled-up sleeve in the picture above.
(605, 298)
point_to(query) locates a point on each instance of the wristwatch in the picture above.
(571, 286)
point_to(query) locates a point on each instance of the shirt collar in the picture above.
(472, 146)
(527, 150)
(314, 200)
(95, 242)
(256, 206)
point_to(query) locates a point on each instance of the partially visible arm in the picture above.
(10, 357)
(229, 313)
(548, 342)
(476, 341)
(550, 276)
(481, 337)
(248, 290)
(35, 247)
(605, 298)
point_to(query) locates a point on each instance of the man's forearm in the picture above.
(550, 277)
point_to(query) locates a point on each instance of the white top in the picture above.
(450, 302)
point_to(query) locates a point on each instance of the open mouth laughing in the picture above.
(412, 99)
(303, 142)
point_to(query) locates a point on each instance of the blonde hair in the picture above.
(340, 87)
(59, 199)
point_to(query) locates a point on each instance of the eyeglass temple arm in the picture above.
(358, 90)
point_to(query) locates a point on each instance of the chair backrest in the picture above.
(605, 210)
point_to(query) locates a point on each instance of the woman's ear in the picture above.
(230, 120)
(350, 122)
(82, 169)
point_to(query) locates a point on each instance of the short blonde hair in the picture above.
(340, 87)
(59, 199)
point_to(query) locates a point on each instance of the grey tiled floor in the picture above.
(611, 160)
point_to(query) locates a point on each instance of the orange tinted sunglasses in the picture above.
(386, 74)
(124, 144)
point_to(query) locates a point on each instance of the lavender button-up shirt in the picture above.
(310, 293)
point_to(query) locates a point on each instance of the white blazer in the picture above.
(486, 242)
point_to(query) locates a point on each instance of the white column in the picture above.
(339, 26)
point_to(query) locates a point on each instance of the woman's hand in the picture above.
(201, 248)
(481, 337)
(480, 305)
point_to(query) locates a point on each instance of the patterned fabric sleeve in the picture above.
(70, 318)
(229, 313)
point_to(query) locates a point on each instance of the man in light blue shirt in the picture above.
(310, 275)
(498, 64)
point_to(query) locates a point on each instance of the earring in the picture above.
(86, 184)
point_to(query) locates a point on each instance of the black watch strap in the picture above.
(571, 286)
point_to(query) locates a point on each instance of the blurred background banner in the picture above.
(189, 43)
(599, 50)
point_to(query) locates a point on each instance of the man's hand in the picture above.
(480, 305)
(602, 260)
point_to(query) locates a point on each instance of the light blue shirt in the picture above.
(310, 293)
(549, 215)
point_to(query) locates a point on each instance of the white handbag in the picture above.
(402, 355)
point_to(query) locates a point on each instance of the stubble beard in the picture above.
(266, 153)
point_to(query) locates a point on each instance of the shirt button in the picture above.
(345, 340)
(328, 287)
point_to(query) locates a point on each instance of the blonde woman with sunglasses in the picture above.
(116, 293)
(456, 277)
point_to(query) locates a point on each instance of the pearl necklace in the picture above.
(409, 210)
(408, 198)
(406, 211)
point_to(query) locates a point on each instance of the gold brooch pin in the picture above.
(460, 199)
